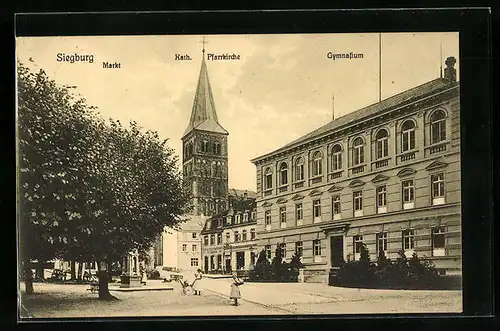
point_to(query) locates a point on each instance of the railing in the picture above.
(299, 184)
(316, 180)
(335, 175)
(358, 169)
(437, 149)
(382, 163)
(408, 156)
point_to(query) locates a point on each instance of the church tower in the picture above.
(204, 152)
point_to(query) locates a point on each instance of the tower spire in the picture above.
(203, 50)
(441, 60)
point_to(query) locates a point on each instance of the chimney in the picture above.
(450, 73)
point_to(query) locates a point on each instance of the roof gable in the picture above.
(379, 178)
(406, 172)
(436, 165)
(356, 183)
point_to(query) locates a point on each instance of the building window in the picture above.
(194, 235)
(237, 219)
(437, 189)
(268, 219)
(254, 215)
(317, 161)
(336, 158)
(358, 152)
(336, 207)
(268, 251)
(382, 144)
(381, 242)
(245, 217)
(299, 214)
(298, 248)
(212, 239)
(228, 237)
(194, 248)
(299, 169)
(408, 241)
(283, 174)
(317, 250)
(217, 149)
(438, 241)
(228, 220)
(205, 146)
(408, 136)
(205, 240)
(357, 242)
(252, 234)
(236, 236)
(194, 261)
(244, 235)
(219, 239)
(358, 203)
(268, 179)
(408, 194)
(283, 250)
(438, 127)
(283, 217)
(381, 199)
(317, 210)
(184, 247)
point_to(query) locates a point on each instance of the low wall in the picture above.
(313, 276)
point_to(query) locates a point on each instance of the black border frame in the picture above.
(474, 26)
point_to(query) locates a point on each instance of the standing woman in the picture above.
(235, 288)
(197, 277)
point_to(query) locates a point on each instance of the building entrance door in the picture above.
(240, 260)
(336, 250)
(205, 265)
(228, 265)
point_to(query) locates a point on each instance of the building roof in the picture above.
(398, 100)
(241, 193)
(203, 114)
(194, 223)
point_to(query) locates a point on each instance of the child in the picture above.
(235, 290)
(197, 277)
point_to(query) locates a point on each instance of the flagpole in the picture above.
(379, 67)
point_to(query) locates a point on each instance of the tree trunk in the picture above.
(73, 270)
(80, 270)
(28, 280)
(103, 276)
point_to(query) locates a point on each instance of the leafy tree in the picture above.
(89, 190)
(295, 265)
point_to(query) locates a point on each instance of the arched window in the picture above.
(283, 174)
(268, 179)
(317, 161)
(205, 147)
(382, 143)
(438, 126)
(358, 151)
(217, 149)
(299, 169)
(213, 170)
(407, 136)
(336, 158)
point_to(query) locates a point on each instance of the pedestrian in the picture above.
(235, 288)
(196, 282)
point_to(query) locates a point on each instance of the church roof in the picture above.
(203, 114)
(388, 104)
(241, 193)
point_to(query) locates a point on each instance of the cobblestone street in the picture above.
(55, 300)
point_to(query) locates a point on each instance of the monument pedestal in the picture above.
(130, 281)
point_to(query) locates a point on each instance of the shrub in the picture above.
(276, 271)
(154, 274)
(262, 270)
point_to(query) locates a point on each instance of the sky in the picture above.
(280, 89)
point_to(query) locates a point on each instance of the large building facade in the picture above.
(387, 175)
(229, 241)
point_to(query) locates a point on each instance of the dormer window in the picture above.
(237, 219)
(254, 215)
(228, 220)
(245, 217)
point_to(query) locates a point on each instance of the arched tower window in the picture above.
(299, 169)
(438, 126)
(382, 143)
(283, 174)
(205, 146)
(358, 151)
(407, 136)
(317, 162)
(336, 158)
